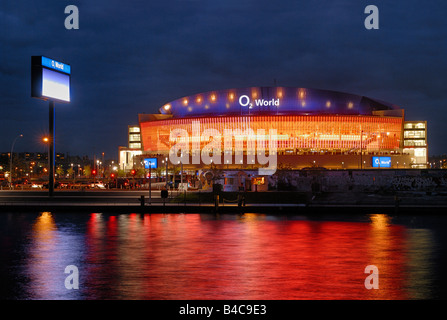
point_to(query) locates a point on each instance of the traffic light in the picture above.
(133, 172)
(94, 172)
(112, 175)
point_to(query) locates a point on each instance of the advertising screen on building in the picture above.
(150, 163)
(50, 79)
(381, 162)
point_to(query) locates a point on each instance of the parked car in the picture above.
(57, 184)
(97, 185)
(120, 183)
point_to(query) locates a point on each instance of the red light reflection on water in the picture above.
(250, 257)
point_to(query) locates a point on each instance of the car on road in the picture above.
(97, 185)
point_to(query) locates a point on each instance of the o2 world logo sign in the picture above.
(245, 101)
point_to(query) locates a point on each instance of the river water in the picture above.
(219, 257)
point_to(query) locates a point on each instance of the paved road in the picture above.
(86, 193)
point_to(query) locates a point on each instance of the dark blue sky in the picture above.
(131, 57)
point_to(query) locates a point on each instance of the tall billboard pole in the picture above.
(51, 158)
(50, 80)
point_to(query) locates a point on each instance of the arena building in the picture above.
(314, 128)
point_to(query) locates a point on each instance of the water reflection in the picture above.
(47, 255)
(250, 256)
(42, 256)
(246, 257)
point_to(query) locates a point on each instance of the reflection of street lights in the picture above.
(10, 159)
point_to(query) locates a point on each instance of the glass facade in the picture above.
(415, 142)
(295, 133)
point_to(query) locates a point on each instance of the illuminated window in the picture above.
(414, 134)
(420, 126)
(420, 152)
(135, 145)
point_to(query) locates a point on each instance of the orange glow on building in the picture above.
(294, 132)
(305, 122)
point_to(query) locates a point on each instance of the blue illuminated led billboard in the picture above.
(150, 163)
(381, 162)
(50, 79)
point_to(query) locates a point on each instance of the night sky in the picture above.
(131, 57)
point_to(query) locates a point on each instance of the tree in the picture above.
(59, 172)
(121, 173)
(140, 173)
(87, 171)
(70, 172)
(158, 172)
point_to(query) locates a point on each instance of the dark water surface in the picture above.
(209, 257)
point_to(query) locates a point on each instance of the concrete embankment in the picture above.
(254, 202)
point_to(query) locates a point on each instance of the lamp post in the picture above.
(150, 181)
(361, 149)
(166, 159)
(10, 160)
(181, 171)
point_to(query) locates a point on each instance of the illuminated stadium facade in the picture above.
(314, 128)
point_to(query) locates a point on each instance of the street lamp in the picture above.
(181, 171)
(150, 182)
(361, 149)
(166, 159)
(10, 160)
